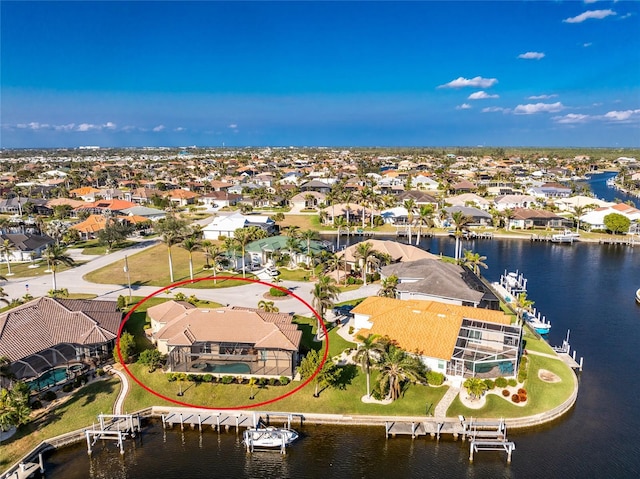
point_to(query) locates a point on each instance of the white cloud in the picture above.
(586, 45)
(158, 128)
(494, 109)
(180, 128)
(596, 14)
(233, 126)
(622, 116)
(532, 108)
(481, 95)
(531, 55)
(476, 82)
(572, 118)
(541, 97)
(109, 125)
(87, 127)
(590, 1)
(464, 106)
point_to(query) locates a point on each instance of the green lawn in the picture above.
(541, 396)
(93, 247)
(22, 270)
(534, 343)
(151, 268)
(81, 410)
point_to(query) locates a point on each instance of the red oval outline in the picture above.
(209, 278)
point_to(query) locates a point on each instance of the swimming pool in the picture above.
(230, 368)
(49, 378)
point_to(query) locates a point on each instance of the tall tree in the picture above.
(190, 244)
(6, 248)
(396, 368)
(114, 231)
(172, 230)
(307, 236)
(368, 352)
(365, 253)
(325, 377)
(243, 236)
(55, 255)
(460, 223)
(425, 218)
(410, 206)
(389, 287)
(474, 261)
(324, 293)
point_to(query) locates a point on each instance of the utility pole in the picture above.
(126, 270)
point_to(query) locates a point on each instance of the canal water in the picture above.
(585, 288)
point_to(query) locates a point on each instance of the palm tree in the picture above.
(425, 218)
(243, 236)
(579, 211)
(460, 222)
(410, 206)
(474, 261)
(397, 367)
(191, 244)
(307, 236)
(475, 387)
(6, 248)
(293, 245)
(171, 230)
(218, 258)
(369, 349)
(340, 222)
(268, 306)
(389, 287)
(6, 375)
(56, 254)
(522, 304)
(365, 252)
(325, 293)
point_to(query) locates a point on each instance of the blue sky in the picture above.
(455, 73)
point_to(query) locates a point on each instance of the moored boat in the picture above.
(269, 437)
(638, 296)
(566, 236)
(539, 325)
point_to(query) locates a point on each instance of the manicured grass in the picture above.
(81, 410)
(151, 268)
(22, 270)
(533, 343)
(93, 247)
(299, 274)
(345, 399)
(304, 222)
(541, 396)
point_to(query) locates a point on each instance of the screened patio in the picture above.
(486, 350)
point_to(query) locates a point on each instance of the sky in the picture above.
(455, 73)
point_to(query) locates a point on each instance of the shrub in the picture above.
(36, 405)
(207, 378)
(284, 380)
(100, 372)
(434, 378)
(50, 395)
(501, 382)
(67, 388)
(523, 397)
(277, 292)
(262, 382)
(272, 381)
(522, 391)
(490, 384)
(351, 329)
(505, 392)
(226, 379)
(239, 379)
(171, 377)
(515, 398)
(351, 280)
(512, 382)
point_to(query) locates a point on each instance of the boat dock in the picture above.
(27, 469)
(224, 419)
(564, 352)
(618, 242)
(483, 435)
(113, 426)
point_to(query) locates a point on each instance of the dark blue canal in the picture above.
(586, 288)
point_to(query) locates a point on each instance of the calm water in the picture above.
(588, 289)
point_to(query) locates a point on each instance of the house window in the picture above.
(441, 364)
(205, 348)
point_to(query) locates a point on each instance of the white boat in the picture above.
(269, 437)
(566, 236)
(638, 296)
(540, 325)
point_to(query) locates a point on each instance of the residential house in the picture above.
(307, 200)
(594, 219)
(457, 341)
(316, 185)
(469, 199)
(398, 252)
(227, 225)
(419, 197)
(550, 190)
(46, 333)
(510, 202)
(434, 280)
(226, 341)
(220, 199)
(478, 217)
(524, 218)
(26, 246)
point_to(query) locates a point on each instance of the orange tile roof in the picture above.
(85, 190)
(429, 328)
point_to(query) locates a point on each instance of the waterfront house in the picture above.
(469, 199)
(46, 332)
(510, 202)
(478, 217)
(25, 246)
(457, 341)
(524, 218)
(220, 199)
(431, 279)
(595, 219)
(397, 252)
(226, 341)
(307, 200)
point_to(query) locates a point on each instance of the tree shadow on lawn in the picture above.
(347, 374)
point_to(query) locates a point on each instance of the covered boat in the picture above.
(269, 437)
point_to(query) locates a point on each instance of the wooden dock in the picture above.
(115, 427)
(226, 420)
(27, 469)
(618, 242)
(565, 353)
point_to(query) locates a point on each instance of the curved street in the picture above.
(248, 295)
